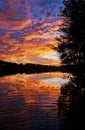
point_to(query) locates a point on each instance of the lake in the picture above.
(29, 101)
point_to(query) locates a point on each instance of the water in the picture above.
(29, 101)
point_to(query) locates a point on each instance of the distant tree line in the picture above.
(7, 68)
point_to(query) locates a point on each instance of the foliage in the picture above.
(72, 41)
(8, 68)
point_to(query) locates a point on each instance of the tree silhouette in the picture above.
(72, 105)
(72, 39)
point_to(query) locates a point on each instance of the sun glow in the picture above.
(26, 31)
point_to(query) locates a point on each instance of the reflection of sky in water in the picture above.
(52, 78)
(27, 27)
(29, 101)
(60, 81)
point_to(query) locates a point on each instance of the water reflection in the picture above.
(71, 104)
(29, 101)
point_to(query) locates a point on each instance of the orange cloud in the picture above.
(14, 25)
(26, 38)
(11, 19)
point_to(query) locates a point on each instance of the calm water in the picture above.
(29, 101)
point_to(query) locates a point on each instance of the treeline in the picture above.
(13, 68)
(8, 68)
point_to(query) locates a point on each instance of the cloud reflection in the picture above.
(26, 101)
(60, 81)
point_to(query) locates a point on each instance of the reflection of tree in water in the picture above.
(71, 105)
(72, 49)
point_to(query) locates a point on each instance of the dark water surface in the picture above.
(29, 101)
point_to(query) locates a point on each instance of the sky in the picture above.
(28, 29)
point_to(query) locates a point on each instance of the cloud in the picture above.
(14, 14)
(27, 28)
(54, 56)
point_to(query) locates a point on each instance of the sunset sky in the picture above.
(28, 29)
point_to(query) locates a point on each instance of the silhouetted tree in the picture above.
(72, 105)
(72, 39)
(7, 68)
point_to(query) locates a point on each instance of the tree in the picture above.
(72, 39)
(71, 104)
